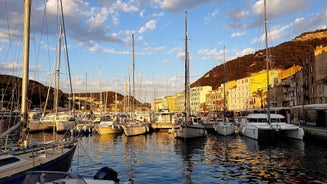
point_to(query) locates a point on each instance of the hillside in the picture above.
(284, 56)
(37, 93)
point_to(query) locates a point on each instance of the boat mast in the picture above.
(57, 73)
(187, 75)
(224, 88)
(268, 62)
(24, 115)
(133, 68)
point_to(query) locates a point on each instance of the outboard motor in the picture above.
(106, 173)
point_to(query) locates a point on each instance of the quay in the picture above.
(315, 133)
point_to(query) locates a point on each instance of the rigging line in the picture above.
(260, 32)
(9, 34)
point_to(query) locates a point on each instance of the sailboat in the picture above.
(133, 126)
(15, 161)
(191, 127)
(225, 127)
(266, 126)
(65, 120)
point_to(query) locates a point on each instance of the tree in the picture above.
(260, 93)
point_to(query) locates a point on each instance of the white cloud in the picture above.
(98, 18)
(158, 14)
(113, 51)
(115, 19)
(238, 14)
(237, 34)
(211, 16)
(94, 48)
(277, 8)
(142, 13)
(211, 54)
(176, 5)
(122, 6)
(150, 25)
(72, 8)
(244, 52)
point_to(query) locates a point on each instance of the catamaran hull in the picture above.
(272, 134)
(61, 163)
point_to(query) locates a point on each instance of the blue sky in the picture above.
(99, 38)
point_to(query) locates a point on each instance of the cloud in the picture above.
(316, 21)
(113, 51)
(278, 8)
(211, 16)
(244, 52)
(238, 14)
(150, 25)
(211, 54)
(120, 6)
(178, 5)
(158, 14)
(94, 48)
(98, 19)
(237, 34)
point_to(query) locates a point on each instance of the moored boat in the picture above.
(17, 159)
(190, 127)
(163, 120)
(225, 128)
(257, 126)
(108, 125)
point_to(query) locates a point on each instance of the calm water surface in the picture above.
(160, 158)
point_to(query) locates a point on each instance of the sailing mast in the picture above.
(133, 68)
(187, 75)
(57, 73)
(224, 88)
(24, 114)
(267, 62)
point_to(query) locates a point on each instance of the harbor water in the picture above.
(160, 158)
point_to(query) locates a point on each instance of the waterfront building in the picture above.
(213, 99)
(289, 72)
(157, 105)
(197, 97)
(179, 102)
(318, 92)
(258, 81)
(284, 93)
(242, 94)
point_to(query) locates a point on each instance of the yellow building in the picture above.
(179, 99)
(197, 97)
(241, 93)
(289, 72)
(213, 99)
(258, 81)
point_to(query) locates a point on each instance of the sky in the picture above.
(99, 39)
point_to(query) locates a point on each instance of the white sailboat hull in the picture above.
(225, 128)
(135, 129)
(190, 131)
(109, 130)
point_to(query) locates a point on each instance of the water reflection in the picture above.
(160, 158)
(190, 151)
